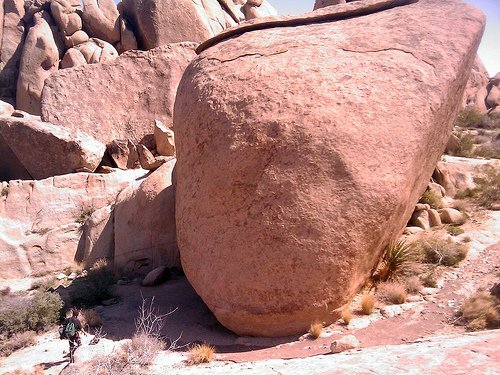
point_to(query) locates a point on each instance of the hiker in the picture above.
(70, 330)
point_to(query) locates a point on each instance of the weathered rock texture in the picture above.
(289, 190)
(47, 150)
(145, 235)
(101, 19)
(39, 60)
(38, 228)
(138, 87)
(12, 39)
(165, 21)
(476, 90)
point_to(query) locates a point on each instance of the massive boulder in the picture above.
(160, 22)
(40, 58)
(302, 151)
(101, 19)
(40, 221)
(144, 222)
(12, 40)
(47, 150)
(138, 87)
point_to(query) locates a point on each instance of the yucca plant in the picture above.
(397, 259)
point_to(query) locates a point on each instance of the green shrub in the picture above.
(440, 251)
(397, 259)
(487, 191)
(94, 288)
(454, 230)
(431, 199)
(37, 313)
(481, 311)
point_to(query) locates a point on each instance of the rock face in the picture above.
(138, 87)
(476, 90)
(101, 19)
(164, 21)
(145, 224)
(12, 38)
(39, 60)
(38, 229)
(288, 193)
(47, 150)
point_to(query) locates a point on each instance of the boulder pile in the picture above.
(288, 194)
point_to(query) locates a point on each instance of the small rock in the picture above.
(61, 276)
(164, 138)
(156, 276)
(416, 298)
(359, 323)
(72, 276)
(391, 311)
(429, 291)
(148, 161)
(109, 302)
(345, 343)
(451, 216)
(123, 282)
(412, 230)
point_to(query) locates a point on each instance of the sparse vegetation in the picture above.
(17, 341)
(44, 283)
(481, 311)
(454, 230)
(84, 214)
(397, 260)
(90, 318)
(201, 353)
(393, 293)
(316, 329)
(486, 152)
(429, 280)
(368, 304)
(461, 206)
(439, 251)
(488, 187)
(432, 199)
(345, 315)
(5, 191)
(472, 118)
(413, 285)
(94, 288)
(465, 145)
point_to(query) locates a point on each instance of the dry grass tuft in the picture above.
(481, 311)
(441, 251)
(393, 293)
(432, 199)
(345, 315)
(201, 353)
(315, 330)
(16, 342)
(368, 304)
(413, 285)
(90, 318)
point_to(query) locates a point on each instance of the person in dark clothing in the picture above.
(72, 329)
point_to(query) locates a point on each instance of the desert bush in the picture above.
(440, 251)
(142, 349)
(37, 313)
(201, 353)
(413, 285)
(466, 239)
(345, 315)
(397, 259)
(454, 230)
(393, 293)
(429, 280)
(461, 206)
(315, 330)
(5, 191)
(90, 318)
(472, 118)
(481, 311)
(465, 145)
(17, 341)
(486, 152)
(368, 304)
(84, 214)
(94, 288)
(432, 199)
(487, 191)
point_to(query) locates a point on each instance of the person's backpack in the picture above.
(68, 330)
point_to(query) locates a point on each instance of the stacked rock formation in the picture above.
(305, 185)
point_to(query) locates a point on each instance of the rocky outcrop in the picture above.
(12, 40)
(258, 9)
(162, 22)
(326, 3)
(138, 87)
(144, 220)
(308, 165)
(476, 90)
(98, 236)
(47, 150)
(40, 226)
(40, 58)
(102, 20)
(164, 139)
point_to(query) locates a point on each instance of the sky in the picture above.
(489, 51)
